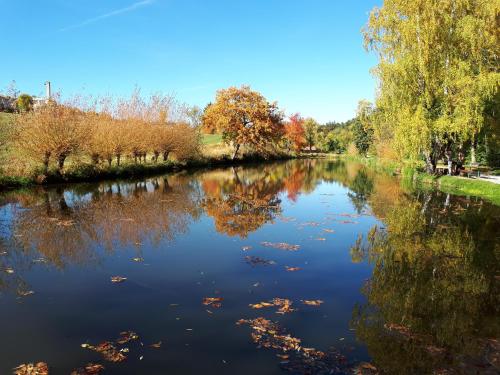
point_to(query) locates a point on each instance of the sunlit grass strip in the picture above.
(471, 187)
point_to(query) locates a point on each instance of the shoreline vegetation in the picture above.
(448, 184)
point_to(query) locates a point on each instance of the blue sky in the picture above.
(306, 54)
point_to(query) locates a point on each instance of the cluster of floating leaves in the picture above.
(257, 261)
(89, 369)
(281, 246)
(292, 269)
(40, 368)
(294, 357)
(214, 302)
(284, 305)
(109, 351)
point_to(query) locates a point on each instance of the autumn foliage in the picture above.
(106, 131)
(244, 118)
(295, 133)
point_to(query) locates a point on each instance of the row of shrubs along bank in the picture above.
(93, 173)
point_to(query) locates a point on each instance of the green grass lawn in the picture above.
(466, 186)
(211, 139)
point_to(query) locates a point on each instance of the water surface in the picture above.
(404, 280)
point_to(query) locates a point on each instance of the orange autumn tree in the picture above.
(244, 117)
(295, 133)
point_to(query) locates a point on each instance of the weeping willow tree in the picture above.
(438, 74)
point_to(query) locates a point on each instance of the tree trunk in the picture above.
(473, 152)
(46, 160)
(110, 161)
(449, 162)
(95, 159)
(237, 148)
(165, 155)
(156, 155)
(118, 157)
(430, 164)
(60, 162)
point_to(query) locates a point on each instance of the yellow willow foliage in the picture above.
(107, 130)
(52, 131)
(438, 71)
(244, 117)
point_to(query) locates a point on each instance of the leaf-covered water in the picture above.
(307, 266)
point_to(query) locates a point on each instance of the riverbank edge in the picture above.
(92, 173)
(448, 184)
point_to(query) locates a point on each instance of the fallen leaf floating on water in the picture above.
(348, 222)
(118, 279)
(246, 248)
(156, 345)
(285, 305)
(9, 270)
(320, 239)
(215, 302)
(328, 230)
(24, 293)
(138, 259)
(41, 368)
(107, 350)
(89, 369)
(295, 358)
(281, 245)
(365, 369)
(292, 269)
(256, 261)
(127, 336)
(310, 224)
(313, 302)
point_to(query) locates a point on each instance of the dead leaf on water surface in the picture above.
(138, 259)
(24, 293)
(256, 261)
(365, 369)
(215, 302)
(89, 369)
(292, 269)
(9, 270)
(127, 336)
(156, 345)
(261, 305)
(313, 302)
(328, 230)
(348, 222)
(295, 358)
(284, 305)
(281, 246)
(118, 279)
(320, 239)
(246, 248)
(41, 368)
(107, 350)
(310, 224)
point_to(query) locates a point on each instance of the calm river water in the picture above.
(244, 270)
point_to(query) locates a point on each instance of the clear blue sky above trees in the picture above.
(308, 55)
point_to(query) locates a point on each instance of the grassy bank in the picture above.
(410, 176)
(93, 173)
(470, 187)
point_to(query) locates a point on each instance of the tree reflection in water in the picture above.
(66, 226)
(433, 298)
